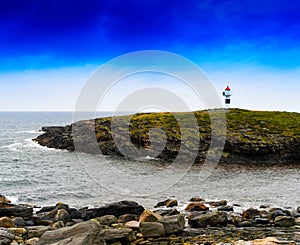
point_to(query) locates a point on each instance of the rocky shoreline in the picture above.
(126, 222)
(252, 137)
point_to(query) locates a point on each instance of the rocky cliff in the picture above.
(251, 136)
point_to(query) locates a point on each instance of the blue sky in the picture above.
(48, 49)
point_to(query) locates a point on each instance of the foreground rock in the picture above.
(127, 222)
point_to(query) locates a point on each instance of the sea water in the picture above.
(30, 173)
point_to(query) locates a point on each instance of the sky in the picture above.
(49, 49)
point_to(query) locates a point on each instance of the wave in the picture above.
(29, 132)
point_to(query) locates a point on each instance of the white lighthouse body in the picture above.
(227, 94)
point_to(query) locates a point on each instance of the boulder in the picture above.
(19, 222)
(4, 199)
(18, 231)
(133, 224)
(6, 222)
(127, 217)
(216, 218)
(117, 209)
(168, 203)
(196, 206)
(297, 221)
(16, 211)
(167, 212)
(298, 209)
(217, 203)
(227, 208)
(197, 199)
(149, 216)
(79, 234)
(251, 213)
(32, 241)
(37, 231)
(62, 215)
(122, 235)
(6, 236)
(284, 221)
(275, 213)
(107, 220)
(152, 229)
(173, 224)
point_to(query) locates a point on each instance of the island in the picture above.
(250, 137)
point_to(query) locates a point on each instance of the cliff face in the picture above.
(251, 136)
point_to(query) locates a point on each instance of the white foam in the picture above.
(13, 199)
(29, 132)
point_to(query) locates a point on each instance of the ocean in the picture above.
(30, 173)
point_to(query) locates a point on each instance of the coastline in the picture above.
(126, 222)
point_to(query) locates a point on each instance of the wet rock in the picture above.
(123, 235)
(6, 222)
(284, 221)
(117, 209)
(173, 224)
(196, 206)
(79, 234)
(251, 213)
(152, 229)
(217, 203)
(276, 213)
(261, 221)
(57, 225)
(227, 208)
(297, 221)
(6, 236)
(235, 218)
(107, 220)
(168, 203)
(245, 223)
(127, 217)
(149, 216)
(167, 212)
(264, 206)
(298, 209)
(197, 199)
(19, 222)
(16, 211)
(216, 218)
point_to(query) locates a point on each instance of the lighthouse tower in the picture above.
(227, 94)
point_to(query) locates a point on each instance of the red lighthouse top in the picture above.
(227, 88)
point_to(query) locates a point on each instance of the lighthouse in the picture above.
(227, 93)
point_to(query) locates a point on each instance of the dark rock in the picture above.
(152, 229)
(128, 217)
(168, 203)
(107, 220)
(251, 213)
(117, 209)
(246, 223)
(197, 199)
(227, 208)
(276, 213)
(16, 211)
(217, 203)
(261, 221)
(74, 213)
(173, 224)
(298, 209)
(6, 236)
(19, 222)
(167, 212)
(216, 218)
(264, 206)
(284, 221)
(196, 206)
